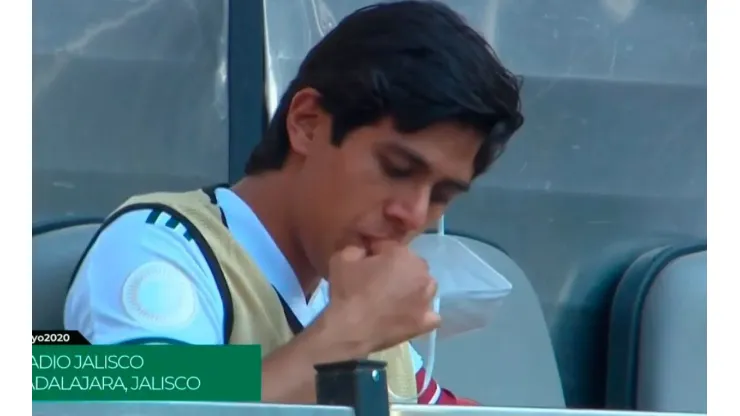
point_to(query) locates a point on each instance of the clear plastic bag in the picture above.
(469, 289)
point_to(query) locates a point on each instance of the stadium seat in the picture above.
(57, 247)
(511, 362)
(658, 332)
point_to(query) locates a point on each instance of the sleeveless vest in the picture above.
(254, 311)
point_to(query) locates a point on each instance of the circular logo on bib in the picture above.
(159, 294)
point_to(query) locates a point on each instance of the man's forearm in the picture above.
(288, 374)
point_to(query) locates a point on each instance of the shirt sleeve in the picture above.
(145, 281)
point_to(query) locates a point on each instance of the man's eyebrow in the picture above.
(421, 163)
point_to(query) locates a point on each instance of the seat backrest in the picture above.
(56, 251)
(672, 361)
(658, 333)
(511, 362)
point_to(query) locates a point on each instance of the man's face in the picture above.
(377, 185)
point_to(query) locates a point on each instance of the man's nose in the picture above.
(411, 212)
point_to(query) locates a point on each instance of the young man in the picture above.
(389, 118)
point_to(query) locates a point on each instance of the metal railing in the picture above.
(354, 388)
(262, 409)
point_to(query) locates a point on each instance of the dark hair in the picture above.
(416, 62)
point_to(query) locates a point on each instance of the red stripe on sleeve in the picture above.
(435, 394)
(426, 396)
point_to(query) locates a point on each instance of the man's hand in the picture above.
(380, 299)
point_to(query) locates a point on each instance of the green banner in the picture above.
(147, 372)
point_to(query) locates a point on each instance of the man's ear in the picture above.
(302, 120)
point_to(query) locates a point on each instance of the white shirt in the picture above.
(148, 281)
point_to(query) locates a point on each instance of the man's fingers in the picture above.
(351, 254)
(431, 289)
(432, 321)
(383, 246)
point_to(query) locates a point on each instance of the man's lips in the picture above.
(370, 241)
(367, 243)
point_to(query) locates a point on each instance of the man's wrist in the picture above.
(329, 340)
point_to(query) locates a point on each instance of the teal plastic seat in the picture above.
(57, 248)
(658, 332)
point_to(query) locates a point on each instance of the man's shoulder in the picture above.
(134, 224)
(143, 276)
(145, 235)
